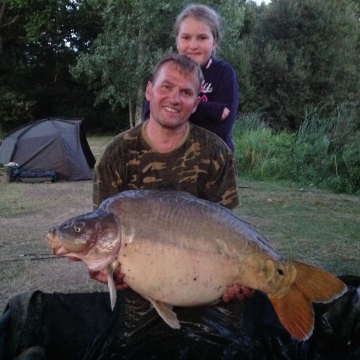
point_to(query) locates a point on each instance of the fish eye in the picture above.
(78, 227)
(280, 272)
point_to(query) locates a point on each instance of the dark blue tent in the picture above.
(50, 144)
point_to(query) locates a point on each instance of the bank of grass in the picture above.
(324, 151)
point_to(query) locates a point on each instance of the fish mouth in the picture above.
(61, 251)
(56, 248)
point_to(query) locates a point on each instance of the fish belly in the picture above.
(186, 251)
(176, 275)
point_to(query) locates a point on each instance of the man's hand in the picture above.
(101, 277)
(238, 292)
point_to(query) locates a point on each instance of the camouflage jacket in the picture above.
(201, 164)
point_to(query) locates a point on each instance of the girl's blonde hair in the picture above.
(202, 13)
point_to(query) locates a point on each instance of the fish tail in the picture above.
(294, 309)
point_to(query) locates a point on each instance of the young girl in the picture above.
(197, 33)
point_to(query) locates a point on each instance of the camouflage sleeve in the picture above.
(222, 188)
(107, 178)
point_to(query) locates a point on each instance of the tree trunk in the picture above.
(139, 103)
(140, 88)
(2, 13)
(2, 25)
(131, 115)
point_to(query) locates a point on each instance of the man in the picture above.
(167, 152)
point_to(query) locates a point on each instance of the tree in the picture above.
(237, 48)
(304, 52)
(110, 46)
(135, 35)
(38, 48)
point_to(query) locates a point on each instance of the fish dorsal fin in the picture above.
(111, 285)
(165, 311)
(295, 313)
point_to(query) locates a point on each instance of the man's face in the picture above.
(173, 97)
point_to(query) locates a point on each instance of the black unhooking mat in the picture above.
(81, 326)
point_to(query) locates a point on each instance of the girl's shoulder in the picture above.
(219, 63)
(219, 66)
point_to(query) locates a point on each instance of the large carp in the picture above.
(176, 249)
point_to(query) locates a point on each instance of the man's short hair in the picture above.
(183, 64)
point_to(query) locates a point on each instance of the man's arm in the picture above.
(106, 181)
(222, 186)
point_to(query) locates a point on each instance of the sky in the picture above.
(260, 1)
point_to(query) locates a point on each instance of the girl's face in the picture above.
(195, 40)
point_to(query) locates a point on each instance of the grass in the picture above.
(311, 225)
(308, 224)
(27, 211)
(98, 143)
(12, 203)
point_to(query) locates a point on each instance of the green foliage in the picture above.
(14, 108)
(134, 36)
(351, 161)
(261, 153)
(289, 56)
(120, 61)
(324, 152)
(41, 40)
(302, 53)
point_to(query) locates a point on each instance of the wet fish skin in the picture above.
(175, 249)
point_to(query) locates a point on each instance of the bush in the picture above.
(351, 161)
(309, 159)
(324, 152)
(260, 153)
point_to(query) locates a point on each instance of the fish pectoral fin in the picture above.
(165, 311)
(111, 285)
(295, 313)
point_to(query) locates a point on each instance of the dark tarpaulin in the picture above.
(82, 326)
